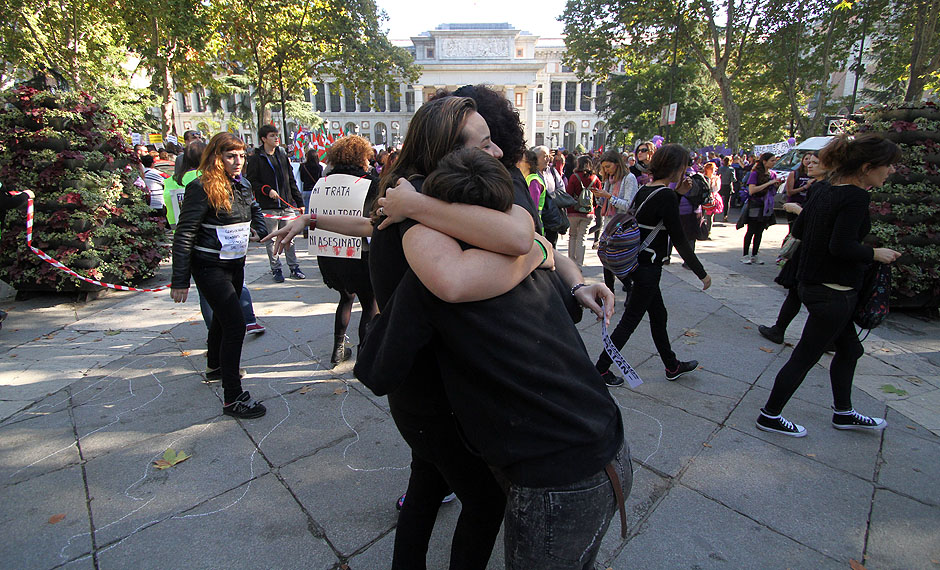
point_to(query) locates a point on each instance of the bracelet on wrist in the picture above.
(576, 287)
(544, 251)
(312, 224)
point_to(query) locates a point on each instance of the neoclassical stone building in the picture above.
(556, 109)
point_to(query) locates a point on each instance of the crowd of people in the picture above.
(459, 229)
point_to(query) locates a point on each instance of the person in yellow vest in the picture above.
(175, 186)
(529, 166)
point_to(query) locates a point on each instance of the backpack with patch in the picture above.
(619, 245)
(873, 298)
(586, 197)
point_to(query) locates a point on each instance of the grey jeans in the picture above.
(289, 253)
(562, 527)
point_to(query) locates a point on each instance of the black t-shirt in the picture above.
(525, 392)
(663, 207)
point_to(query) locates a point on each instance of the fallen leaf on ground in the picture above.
(855, 565)
(690, 332)
(194, 323)
(306, 389)
(765, 349)
(691, 342)
(810, 455)
(747, 327)
(165, 332)
(182, 339)
(890, 389)
(339, 391)
(706, 445)
(112, 333)
(185, 353)
(56, 518)
(12, 356)
(914, 380)
(790, 344)
(97, 340)
(911, 427)
(297, 296)
(171, 458)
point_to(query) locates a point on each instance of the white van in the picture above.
(790, 161)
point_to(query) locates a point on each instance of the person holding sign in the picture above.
(344, 261)
(211, 241)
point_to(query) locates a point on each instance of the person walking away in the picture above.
(656, 203)
(727, 177)
(210, 244)
(833, 262)
(275, 188)
(758, 212)
(348, 159)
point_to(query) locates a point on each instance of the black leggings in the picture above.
(441, 463)
(830, 321)
(344, 312)
(755, 229)
(221, 286)
(789, 309)
(645, 297)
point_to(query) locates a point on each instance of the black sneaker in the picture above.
(773, 334)
(681, 369)
(278, 275)
(296, 273)
(855, 420)
(244, 407)
(779, 424)
(611, 379)
(216, 374)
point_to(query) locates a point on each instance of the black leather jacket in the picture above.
(195, 213)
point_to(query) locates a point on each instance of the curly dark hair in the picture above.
(500, 116)
(470, 176)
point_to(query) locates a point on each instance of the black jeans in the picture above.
(755, 230)
(221, 285)
(645, 297)
(441, 463)
(725, 193)
(830, 321)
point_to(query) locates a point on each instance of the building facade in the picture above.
(556, 109)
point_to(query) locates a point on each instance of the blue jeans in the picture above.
(562, 527)
(247, 310)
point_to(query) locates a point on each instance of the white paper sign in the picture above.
(629, 374)
(234, 240)
(135, 139)
(176, 202)
(172, 139)
(338, 195)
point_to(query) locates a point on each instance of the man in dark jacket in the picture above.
(272, 180)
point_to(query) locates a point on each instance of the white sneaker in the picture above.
(756, 260)
(747, 260)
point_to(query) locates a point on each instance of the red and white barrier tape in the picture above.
(286, 203)
(58, 265)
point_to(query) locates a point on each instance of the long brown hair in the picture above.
(846, 155)
(761, 170)
(435, 130)
(614, 157)
(215, 180)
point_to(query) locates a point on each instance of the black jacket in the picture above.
(195, 213)
(273, 171)
(310, 172)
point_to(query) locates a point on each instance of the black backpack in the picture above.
(700, 193)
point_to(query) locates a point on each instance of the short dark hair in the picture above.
(669, 160)
(470, 176)
(266, 130)
(147, 160)
(191, 135)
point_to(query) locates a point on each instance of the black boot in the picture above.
(341, 352)
(773, 334)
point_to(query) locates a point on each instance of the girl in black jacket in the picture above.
(216, 221)
(832, 264)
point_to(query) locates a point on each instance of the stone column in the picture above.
(530, 115)
(511, 94)
(326, 97)
(342, 99)
(577, 100)
(419, 96)
(564, 95)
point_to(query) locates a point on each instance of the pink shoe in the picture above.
(254, 328)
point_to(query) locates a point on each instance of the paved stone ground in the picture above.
(92, 394)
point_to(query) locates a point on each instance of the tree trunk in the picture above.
(823, 91)
(166, 102)
(732, 110)
(925, 29)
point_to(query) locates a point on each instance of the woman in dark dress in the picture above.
(349, 160)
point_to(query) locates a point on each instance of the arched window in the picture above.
(600, 135)
(381, 134)
(350, 128)
(571, 131)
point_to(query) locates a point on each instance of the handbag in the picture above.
(563, 199)
(553, 218)
(789, 247)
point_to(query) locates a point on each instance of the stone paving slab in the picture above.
(353, 481)
(36, 443)
(905, 534)
(909, 464)
(129, 491)
(252, 535)
(30, 540)
(772, 485)
(706, 535)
